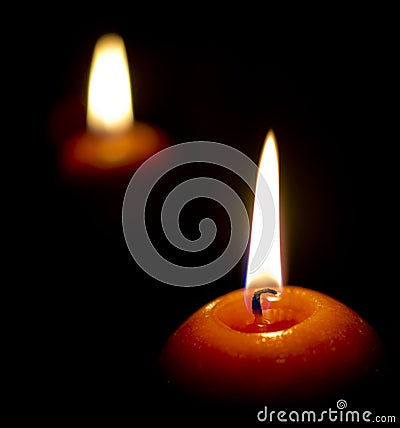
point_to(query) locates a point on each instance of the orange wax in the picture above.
(312, 347)
(91, 154)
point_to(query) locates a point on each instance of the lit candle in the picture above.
(268, 343)
(114, 141)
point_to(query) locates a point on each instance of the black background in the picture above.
(324, 83)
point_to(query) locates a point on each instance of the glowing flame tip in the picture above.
(268, 271)
(109, 97)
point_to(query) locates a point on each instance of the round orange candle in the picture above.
(312, 346)
(114, 141)
(268, 343)
(90, 154)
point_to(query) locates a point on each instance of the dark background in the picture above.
(325, 85)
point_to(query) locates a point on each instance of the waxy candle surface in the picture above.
(324, 346)
(88, 153)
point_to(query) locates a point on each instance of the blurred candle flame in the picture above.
(110, 107)
(269, 273)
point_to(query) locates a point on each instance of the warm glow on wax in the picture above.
(109, 99)
(268, 273)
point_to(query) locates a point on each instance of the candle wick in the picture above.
(256, 304)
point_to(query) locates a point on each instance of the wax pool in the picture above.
(313, 346)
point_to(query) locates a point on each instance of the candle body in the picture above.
(323, 348)
(93, 155)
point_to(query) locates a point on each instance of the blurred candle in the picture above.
(114, 141)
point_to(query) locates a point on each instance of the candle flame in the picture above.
(109, 98)
(265, 273)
